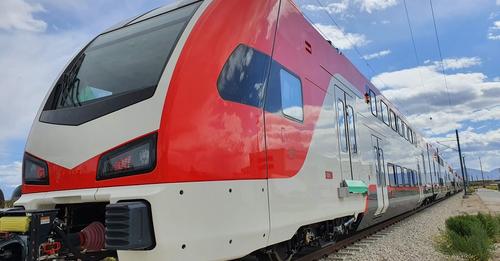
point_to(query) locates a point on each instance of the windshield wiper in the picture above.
(70, 84)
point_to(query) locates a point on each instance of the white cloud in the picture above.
(10, 174)
(18, 15)
(496, 25)
(498, 2)
(27, 71)
(460, 63)
(341, 39)
(333, 8)
(420, 91)
(496, 79)
(494, 31)
(342, 6)
(377, 54)
(492, 36)
(474, 144)
(375, 5)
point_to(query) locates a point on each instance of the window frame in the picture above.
(373, 102)
(400, 126)
(391, 174)
(283, 69)
(353, 147)
(384, 114)
(393, 120)
(410, 135)
(400, 179)
(404, 130)
(344, 146)
(407, 177)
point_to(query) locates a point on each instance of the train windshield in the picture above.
(118, 68)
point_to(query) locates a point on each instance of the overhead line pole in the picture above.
(467, 178)
(482, 174)
(461, 163)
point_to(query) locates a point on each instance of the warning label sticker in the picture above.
(44, 220)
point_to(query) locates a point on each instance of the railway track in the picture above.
(361, 239)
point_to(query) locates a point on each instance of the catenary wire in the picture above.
(350, 41)
(440, 53)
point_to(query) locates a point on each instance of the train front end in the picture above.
(135, 155)
(90, 166)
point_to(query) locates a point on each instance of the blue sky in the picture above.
(37, 38)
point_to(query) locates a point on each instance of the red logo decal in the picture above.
(328, 175)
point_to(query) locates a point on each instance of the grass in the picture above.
(473, 188)
(470, 236)
(492, 187)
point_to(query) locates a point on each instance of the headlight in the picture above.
(35, 171)
(136, 157)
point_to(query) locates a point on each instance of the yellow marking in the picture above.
(14, 224)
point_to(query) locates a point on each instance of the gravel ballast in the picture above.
(412, 238)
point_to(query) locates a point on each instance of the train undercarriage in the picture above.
(87, 232)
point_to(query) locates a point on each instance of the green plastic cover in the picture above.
(356, 186)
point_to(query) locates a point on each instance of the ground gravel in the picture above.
(411, 239)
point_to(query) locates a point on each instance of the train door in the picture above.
(419, 181)
(346, 130)
(382, 194)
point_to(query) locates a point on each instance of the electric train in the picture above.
(213, 130)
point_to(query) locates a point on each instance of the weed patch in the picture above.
(470, 236)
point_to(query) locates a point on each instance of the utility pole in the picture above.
(467, 178)
(461, 163)
(482, 174)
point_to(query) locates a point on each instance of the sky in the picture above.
(37, 39)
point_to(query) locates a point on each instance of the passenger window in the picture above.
(393, 119)
(373, 103)
(400, 126)
(403, 130)
(409, 182)
(400, 177)
(243, 76)
(291, 95)
(384, 112)
(404, 176)
(352, 129)
(410, 135)
(391, 173)
(284, 93)
(342, 129)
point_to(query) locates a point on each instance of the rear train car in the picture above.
(213, 130)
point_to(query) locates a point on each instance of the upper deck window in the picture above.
(384, 111)
(117, 69)
(393, 119)
(404, 130)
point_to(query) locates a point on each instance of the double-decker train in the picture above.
(213, 130)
